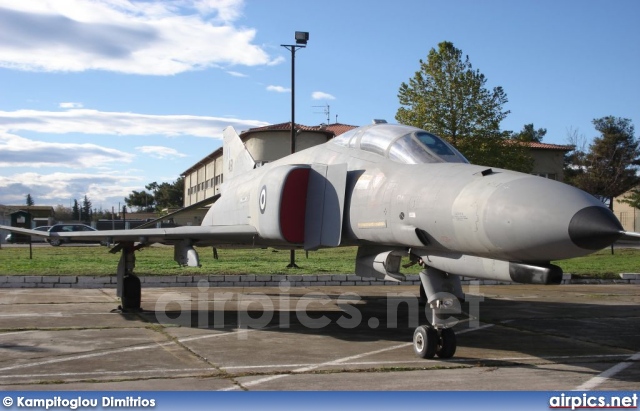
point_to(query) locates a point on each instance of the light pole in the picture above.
(301, 42)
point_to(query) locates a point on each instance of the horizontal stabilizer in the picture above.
(199, 204)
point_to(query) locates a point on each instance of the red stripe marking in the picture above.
(293, 205)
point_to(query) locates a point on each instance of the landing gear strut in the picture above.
(440, 290)
(128, 288)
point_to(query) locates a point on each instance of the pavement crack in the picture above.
(221, 372)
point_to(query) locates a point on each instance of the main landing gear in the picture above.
(129, 289)
(441, 291)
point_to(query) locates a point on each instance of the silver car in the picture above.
(69, 228)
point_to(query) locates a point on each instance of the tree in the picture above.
(63, 213)
(610, 167)
(87, 212)
(449, 98)
(141, 200)
(530, 134)
(75, 210)
(574, 159)
(29, 200)
(497, 151)
(165, 195)
(170, 195)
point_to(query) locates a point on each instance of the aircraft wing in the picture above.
(220, 234)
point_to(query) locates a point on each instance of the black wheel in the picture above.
(446, 343)
(56, 242)
(425, 341)
(131, 293)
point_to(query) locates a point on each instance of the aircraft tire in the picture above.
(425, 341)
(446, 343)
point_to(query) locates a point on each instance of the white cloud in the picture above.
(127, 36)
(276, 61)
(16, 151)
(160, 151)
(61, 188)
(236, 74)
(279, 89)
(131, 124)
(319, 95)
(71, 105)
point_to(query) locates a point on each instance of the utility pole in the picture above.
(301, 38)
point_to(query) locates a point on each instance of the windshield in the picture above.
(404, 144)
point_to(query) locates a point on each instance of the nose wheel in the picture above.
(440, 291)
(429, 342)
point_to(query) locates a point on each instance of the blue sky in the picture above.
(103, 97)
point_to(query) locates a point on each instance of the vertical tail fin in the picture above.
(235, 156)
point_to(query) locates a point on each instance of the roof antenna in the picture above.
(326, 112)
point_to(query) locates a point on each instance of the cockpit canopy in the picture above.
(404, 144)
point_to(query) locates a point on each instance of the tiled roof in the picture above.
(338, 128)
(545, 146)
(331, 130)
(30, 208)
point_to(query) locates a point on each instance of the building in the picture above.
(629, 216)
(269, 143)
(38, 216)
(548, 159)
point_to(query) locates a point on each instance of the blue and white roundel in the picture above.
(262, 201)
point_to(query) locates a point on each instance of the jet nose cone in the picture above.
(594, 228)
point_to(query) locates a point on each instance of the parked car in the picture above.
(21, 238)
(70, 228)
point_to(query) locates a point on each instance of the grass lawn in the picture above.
(158, 260)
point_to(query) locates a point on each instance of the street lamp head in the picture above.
(302, 37)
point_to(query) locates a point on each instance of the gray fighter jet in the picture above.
(392, 191)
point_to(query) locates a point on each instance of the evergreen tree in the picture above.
(75, 210)
(449, 98)
(530, 134)
(29, 200)
(141, 200)
(87, 212)
(610, 167)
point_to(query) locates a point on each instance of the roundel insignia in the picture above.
(263, 199)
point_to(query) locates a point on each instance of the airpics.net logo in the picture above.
(587, 401)
(313, 310)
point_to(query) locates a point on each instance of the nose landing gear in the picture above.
(439, 289)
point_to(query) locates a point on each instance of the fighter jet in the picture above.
(393, 191)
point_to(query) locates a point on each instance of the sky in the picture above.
(102, 97)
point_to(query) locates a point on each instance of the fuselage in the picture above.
(439, 206)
